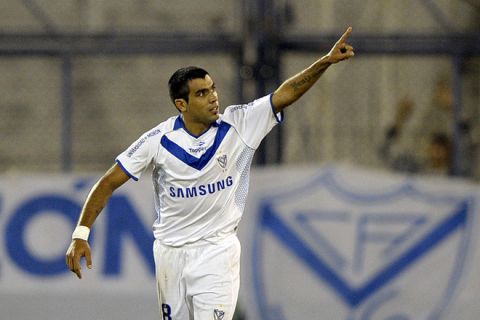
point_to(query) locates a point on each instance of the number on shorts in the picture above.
(166, 311)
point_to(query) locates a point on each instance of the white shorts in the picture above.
(198, 281)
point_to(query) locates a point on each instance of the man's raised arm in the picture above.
(293, 88)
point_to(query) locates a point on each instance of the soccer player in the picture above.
(201, 161)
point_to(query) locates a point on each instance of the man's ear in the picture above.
(181, 105)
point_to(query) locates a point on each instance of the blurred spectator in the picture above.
(438, 116)
(436, 157)
(395, 156)
(430, 149)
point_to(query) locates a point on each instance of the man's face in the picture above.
(202, 106)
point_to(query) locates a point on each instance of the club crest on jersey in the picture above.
(218, 314)
(222, 161)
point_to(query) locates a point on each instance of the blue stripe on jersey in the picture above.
(178, 123)
(194, 162)
(126, 171)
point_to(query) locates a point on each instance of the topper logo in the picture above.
(360, 255)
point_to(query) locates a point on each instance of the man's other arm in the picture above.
(95, 202)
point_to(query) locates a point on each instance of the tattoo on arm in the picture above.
(309, 78)
(296, 85)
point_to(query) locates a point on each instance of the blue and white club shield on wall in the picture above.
(328, 250)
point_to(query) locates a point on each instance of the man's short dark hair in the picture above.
(178, 83)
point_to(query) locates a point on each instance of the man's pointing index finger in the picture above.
(345, 35)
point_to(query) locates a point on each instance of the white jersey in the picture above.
(201, 183)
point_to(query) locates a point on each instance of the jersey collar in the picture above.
(180, 124)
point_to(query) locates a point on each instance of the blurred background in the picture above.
(80, 80)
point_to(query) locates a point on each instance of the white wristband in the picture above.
(81, 232)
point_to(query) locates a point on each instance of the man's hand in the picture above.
(78, 249)
(341, 50)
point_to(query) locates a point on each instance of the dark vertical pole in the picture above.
(457, 157)
(239, 57)
(267, 72)
(279, 130)
(67, 110)
(260, 81)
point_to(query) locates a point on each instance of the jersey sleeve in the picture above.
(253, 121)
(136, 158)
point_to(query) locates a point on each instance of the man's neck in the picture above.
(196, 128)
